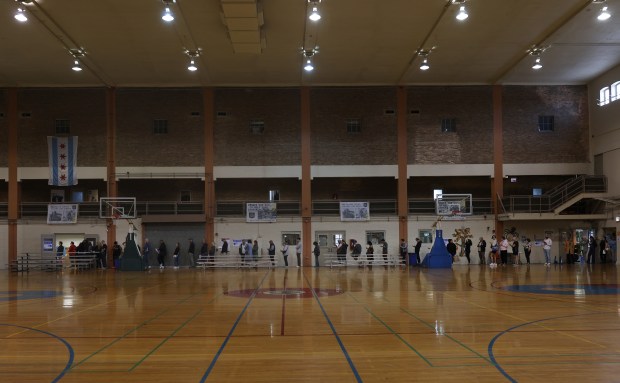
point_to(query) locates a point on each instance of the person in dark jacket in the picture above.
(316, 251)
(341, 251)
(451, 247)
(162, 252)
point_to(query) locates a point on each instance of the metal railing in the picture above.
(557, 196)
(379, 207)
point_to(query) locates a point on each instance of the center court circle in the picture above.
(278, 293)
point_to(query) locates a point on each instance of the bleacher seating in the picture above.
(332, 260)
(233, 261)
(49, 262)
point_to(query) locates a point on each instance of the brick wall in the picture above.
(84, 108)
(279, 144)
(523, 143)
(136, 142)
(375, 144)
(470, 106)
(279, 109)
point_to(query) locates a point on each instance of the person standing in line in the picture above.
(384, 251)
(341, 251)
(272, 252)
(370, 251)
(117, 251)
(547, 242)
(515, 250)
(255, 250)
(176, 254)
(568, 248)
(503, 250)
(146, 250)
(468, 245)
(162, 253)
(242, 252)
(527, 249)
(417, 248)
(285, 252)
(482, 247)
(60, 253)
(204, 251)
(316, 251)
(248, 250)
(403, 250)
(71, 252)
(103, 250)
(451, 247)
(191, 250)
(224, 246)
(212, 250)
(494, 253)
(591, 250)
(603, 248)
(298, 252)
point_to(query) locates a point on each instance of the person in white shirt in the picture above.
(298, 252)
(503, 250)
(285, 252)
(547, 250)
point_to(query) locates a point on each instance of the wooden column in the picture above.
(209, 147)
(403, 200)
(111, 164)
(306, 179)
(13, 192)
(498, 158)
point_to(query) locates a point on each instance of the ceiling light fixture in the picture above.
(309, 67)
(192, 67)
(308, 54)
(424, 54)
(536, 52)
(20, 15)
(77, 53)
(314, 15)
(77, 67)
(462, 15)
(167, 16)
(604, 15)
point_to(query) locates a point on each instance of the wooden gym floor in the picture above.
(467, 324)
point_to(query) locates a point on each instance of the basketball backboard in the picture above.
(117, 207)
(454, 204)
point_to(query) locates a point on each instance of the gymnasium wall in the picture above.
(330, 108)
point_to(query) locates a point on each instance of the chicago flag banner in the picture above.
(62, 152)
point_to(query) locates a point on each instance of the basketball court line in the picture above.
(162, 312)
(358, 378)
(86, 309)
(67, 345)
(232, 330)
(398, 335)
(496, 337)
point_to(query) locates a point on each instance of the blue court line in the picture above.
(331, 325)
(496, 337)
(219, 351)
(67, 345)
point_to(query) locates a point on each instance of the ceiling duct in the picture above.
(244, 20)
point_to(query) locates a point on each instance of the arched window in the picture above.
(604, 96)
(615, 91)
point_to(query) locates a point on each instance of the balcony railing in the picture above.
(382, 207)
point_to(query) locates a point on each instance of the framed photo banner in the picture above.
(62, 213)
(261, 212)
(354, 211)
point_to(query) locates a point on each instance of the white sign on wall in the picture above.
(261, 212)
(354, 211)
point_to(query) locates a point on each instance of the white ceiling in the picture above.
(361, 42)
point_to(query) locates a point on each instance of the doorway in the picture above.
(328, 242)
